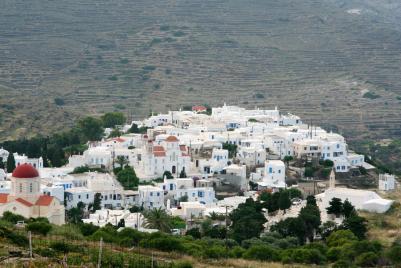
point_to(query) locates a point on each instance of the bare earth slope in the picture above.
(316, 58)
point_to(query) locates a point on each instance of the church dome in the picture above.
(25, 171)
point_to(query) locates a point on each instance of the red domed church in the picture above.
(26, 199)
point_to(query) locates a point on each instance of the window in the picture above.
(158, 194)
(20, 187)
(151, 193)
(79, 196)
(270, 170)
(30, 188)
(87, 196)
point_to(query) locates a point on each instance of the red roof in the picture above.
(25, 171)
(183, 148)
(3, 198)
(44, 200)
(158, 148)
(118, 139)
(24, 202)
(171, 139)
(199, 108)
(159, 154)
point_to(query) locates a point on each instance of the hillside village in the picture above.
(194, 164)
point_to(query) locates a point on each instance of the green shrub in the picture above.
(342, 264)
(13, 237)
(45, 252)
(162, 243)
(13, 218)
(88, 229)
(182, 264)
(130, 237)
(64, 247)
(308, 256)
(236, 252)
(215, 252)
(367, 259)
(38, 227)
(334, 253)
(113, 259)
(262, 253)
(394, 254)
(340, 237)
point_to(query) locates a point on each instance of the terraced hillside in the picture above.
(335, 62)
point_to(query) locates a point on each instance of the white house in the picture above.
(150, 197)
(386, 182)
(163, 154)
(274, 175)
(23, 159)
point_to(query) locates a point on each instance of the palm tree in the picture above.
(157, 218)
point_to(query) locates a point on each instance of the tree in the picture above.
(115, 133)
(394, 254)
(128, 178)
(97, 201)
(121, 223)
(245, 215)
(157, 218)
(183, 174)
(168, 175)
(291, 227)
(76, 214)
(110, 120)
(328, 163)
(287, 159)
(311, 217)
(121, 161)
(357, 225)
(311, 200)
(336, 207)
(91, 128)
(2, 166)
(10, 162)
(194, 232)
(284, 201)
(294, 193)
(134, 128)
(348, 209)
(183, 198)
(231, 148)
(55, 155)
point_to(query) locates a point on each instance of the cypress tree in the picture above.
(10, 163)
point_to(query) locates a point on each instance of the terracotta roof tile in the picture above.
(158, 148)
(44, 200)
(3, 198)
(199, 108)
(159, 154)
(24, 202)
(171, 139)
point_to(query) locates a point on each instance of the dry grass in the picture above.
(386, 227)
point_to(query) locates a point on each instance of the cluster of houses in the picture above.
(185, 159)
